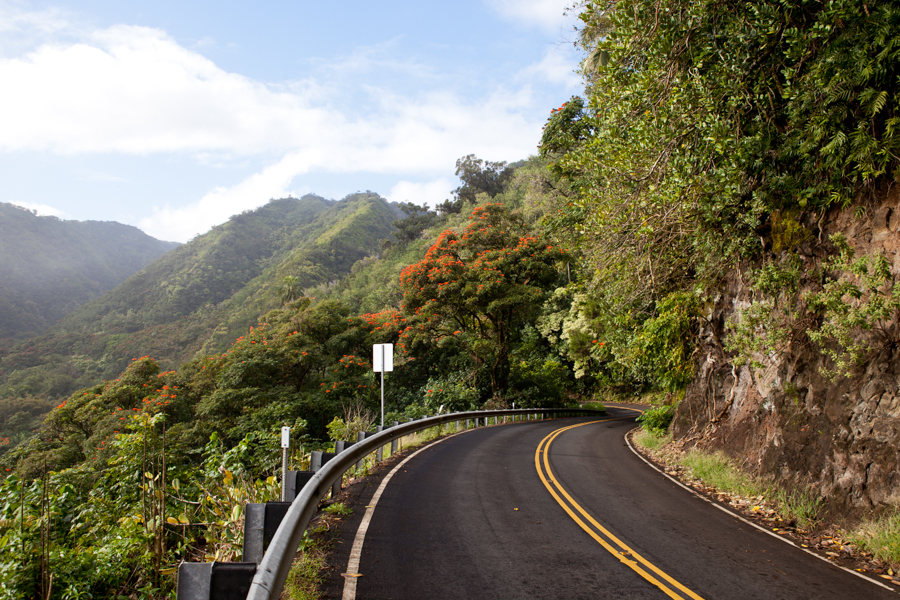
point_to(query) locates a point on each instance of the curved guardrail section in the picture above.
(273, 570)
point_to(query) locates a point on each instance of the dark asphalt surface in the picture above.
(470, 518)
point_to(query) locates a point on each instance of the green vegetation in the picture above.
(651, 441)
(718, 471)
(656, 420)
(199, 298)
(880, 537)
(859, 297)
(305, 576)
(802, 507)
(339, 508)
(712, 134)
(798, 505)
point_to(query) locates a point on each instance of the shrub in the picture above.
(656, 420)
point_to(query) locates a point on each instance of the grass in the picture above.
(593, 405)
(426, 435)
(650, 440)
(802, 506)
(880, 537)
(340, 509)
(305, 577)
(716, 470)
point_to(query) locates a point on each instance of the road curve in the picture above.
(489, 514)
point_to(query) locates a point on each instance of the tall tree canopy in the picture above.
(477, 176)
(479, 287)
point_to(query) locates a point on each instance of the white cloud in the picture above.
(429, 193)
(550, 15)
(557, 66)
(179, 224)
(48, 21)
(135, 90)
(42, 210)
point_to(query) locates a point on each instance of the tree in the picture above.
(418, 219)
(477, 176)
(477, 289)
(290, 289)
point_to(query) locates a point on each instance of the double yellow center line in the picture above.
(611, 543)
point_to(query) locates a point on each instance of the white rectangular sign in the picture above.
(285, 437)
(383, 358)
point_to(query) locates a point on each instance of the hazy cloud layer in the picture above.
(549, 15)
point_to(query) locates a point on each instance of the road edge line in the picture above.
(356, 550)
(749, 522)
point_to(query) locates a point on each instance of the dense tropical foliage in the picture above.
(714, 135)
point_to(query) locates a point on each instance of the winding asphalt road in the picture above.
(544, 510)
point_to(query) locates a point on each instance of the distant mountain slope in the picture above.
(48, 267)
(203, 295)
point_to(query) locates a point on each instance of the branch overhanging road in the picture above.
(564, 509)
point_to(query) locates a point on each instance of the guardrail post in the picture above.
(254, 523)
(214, 581)
(230, 581)
(339, 446)
(379, 454)
(317, 460)
(296, 481)
(336, 488)
(194, 580)
(360, 436)
(394, 442)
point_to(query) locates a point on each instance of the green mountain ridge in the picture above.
(202, 295)
(49, 267)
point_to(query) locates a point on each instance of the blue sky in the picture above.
(173, 116)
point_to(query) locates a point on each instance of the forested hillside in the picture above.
(202, 295)
(49, 267)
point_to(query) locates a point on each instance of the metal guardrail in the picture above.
(276, 563)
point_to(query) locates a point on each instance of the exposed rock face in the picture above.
(786, 419)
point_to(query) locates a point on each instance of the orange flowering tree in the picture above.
(478, 288)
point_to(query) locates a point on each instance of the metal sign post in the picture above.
(285, 447)
(382, 361)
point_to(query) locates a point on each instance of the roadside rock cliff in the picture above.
(779, 414)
